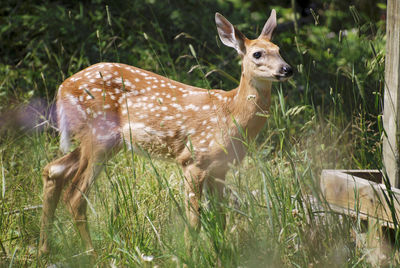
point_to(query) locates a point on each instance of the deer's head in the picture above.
(261, 58)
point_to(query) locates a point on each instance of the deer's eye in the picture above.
(257, 54)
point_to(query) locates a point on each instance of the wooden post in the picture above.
(391, 113)
(361, 193)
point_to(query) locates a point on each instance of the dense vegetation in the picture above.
(327, 116)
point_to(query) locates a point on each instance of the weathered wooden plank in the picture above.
(341, 188)
(391, 113)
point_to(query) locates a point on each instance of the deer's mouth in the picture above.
(284, 73)
(282, 77)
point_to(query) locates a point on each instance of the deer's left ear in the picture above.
(269, 26)
(229, 35)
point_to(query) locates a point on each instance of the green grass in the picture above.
(327, 116)
(270, 221)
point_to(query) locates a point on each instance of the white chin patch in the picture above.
(270, 78)
(282, 78)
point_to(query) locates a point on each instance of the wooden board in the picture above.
(348, 193)
(391, 113)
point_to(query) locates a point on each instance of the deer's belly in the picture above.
(150, 141)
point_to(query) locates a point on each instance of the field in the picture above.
(328, 116)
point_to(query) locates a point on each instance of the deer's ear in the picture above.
(229, 35)
(269, 26)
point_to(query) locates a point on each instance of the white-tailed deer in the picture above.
(109, 105)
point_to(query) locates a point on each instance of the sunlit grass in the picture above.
(270, 220)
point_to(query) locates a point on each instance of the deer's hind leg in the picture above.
(55, 175)
(93, 156)
(194, 178)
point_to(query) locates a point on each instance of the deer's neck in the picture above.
(251, 97)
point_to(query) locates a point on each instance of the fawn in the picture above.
(109, 105)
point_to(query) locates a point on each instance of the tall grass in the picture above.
(323, 118)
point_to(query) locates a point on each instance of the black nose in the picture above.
(286, 70)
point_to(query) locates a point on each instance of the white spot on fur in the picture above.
(128, 83)
(107, 77)
(56, 170)
(177, 106)
(118, 80)
(192, 107)
(133, 126)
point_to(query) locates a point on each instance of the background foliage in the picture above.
(327, 116)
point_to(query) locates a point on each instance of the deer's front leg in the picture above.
(194, 178)
(215, 188)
